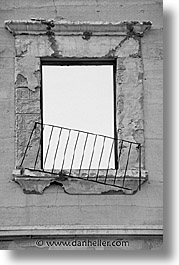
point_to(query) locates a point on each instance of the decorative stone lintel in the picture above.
(35, 182)
(64, 27)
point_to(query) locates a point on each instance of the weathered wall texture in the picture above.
(55, 207)
(129, 81)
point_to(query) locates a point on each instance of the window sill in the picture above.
(35, 182)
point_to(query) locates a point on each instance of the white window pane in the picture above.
(79, 97)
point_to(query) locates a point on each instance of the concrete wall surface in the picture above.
(140, 213)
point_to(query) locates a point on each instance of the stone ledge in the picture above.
(82, 241)
(51, 230)
(35, 182)
(42, 26)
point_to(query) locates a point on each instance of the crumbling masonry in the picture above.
(40, 39)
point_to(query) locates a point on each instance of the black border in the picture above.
(81, 61)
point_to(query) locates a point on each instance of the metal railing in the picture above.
(61, 151)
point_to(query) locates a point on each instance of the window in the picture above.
(79, 95)
(46, 42)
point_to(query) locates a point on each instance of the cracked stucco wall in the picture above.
(55, 207)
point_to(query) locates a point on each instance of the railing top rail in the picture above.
(61, 153)
(101, 135)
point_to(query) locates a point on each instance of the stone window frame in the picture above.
(40, 39)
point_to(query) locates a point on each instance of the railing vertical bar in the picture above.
(39, 147)
(74, 153)
(109, 162)
(120, 152)
(35, 124)
(104, 138)
(140, 166)
(48, 146)
(65, 149)
(127, 163)
(56, 149)
(42, 150)
(85, 144)
(92, 155)
(83, 153)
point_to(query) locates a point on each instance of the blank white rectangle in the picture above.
(79, 97)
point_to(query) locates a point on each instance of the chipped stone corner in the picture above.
(32, 182)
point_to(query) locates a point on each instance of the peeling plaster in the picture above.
(129, 46)
(53, 44)
(130, 115)
(77, 47)
(36, 182)
(21, 81)
(138, 135)
(27, 67)
(22, 47)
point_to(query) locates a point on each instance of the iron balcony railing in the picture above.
(60, 151)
